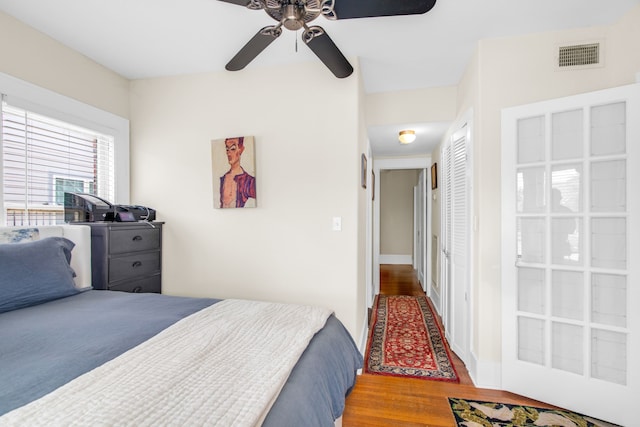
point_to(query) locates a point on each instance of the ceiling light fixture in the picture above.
(407, 136)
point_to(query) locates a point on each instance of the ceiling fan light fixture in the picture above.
(407, 136)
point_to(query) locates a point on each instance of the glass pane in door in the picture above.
(531, 140)
(609, 243)
(530, 194)
(609, 186)
(609, 356)
(531, 346)
(566, 188)
(567, 135)
(566, 242)
(531, 239)
(566, 347)
(531, 290)
(608, 129)
(567, 295)
(609, 299)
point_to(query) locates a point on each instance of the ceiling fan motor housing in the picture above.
(293, 15)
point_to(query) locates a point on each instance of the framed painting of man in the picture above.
(233, 164)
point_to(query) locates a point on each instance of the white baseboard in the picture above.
(364, 335)
(485, 374)
(395, 259)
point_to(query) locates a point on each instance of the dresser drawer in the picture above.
(134, 265)
(148, 284)
(138, 239)
(126, 256)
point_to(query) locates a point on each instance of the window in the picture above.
(77, 121)
(42, 158)
(67, 185)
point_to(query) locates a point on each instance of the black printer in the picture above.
(138, 213)
(83, 207)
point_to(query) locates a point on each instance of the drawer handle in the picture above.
(136, 264)
(137, 238)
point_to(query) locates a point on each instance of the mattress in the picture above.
(48, 345)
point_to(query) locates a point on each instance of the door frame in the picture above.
(421, 218)
(418, 162)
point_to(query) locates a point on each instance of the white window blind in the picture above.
(42, 158)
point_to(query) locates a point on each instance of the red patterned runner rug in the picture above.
(406, 340)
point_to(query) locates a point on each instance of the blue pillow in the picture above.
(35, 272)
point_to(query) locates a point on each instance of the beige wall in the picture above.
(34, 57)
(513, 71)
(365, 256)
(436, 207)
(396, 211)
(469, 91)
(416, 106)
(308, 144)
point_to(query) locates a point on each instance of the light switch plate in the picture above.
(337, 223)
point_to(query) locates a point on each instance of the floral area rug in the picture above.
(405, 339)
(471, 413)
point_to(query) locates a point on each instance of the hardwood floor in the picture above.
(378, 400)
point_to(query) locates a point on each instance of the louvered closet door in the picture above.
(571, 232)
(456, 242)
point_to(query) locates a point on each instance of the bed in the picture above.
(73, 355)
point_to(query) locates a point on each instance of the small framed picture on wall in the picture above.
(434, 176)
(363, 171)
(373, 185)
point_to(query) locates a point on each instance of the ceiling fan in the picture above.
(295, 14)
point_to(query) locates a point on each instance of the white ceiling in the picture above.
(384, 139)
(150, 38)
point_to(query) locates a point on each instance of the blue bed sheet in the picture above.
(45, 346)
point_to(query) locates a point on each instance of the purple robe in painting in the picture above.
(246, 185)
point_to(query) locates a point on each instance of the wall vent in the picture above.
(579, 55)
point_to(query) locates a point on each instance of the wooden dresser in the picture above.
(126, 256)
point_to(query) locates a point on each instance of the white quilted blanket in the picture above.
(223, 365)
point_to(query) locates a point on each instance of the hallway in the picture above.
(379, 400)
(402, 280)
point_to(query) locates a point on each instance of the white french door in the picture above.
(455, 237)
(571, 250)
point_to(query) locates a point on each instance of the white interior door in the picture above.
(571, 231)
(420, 216)
(416, 232)
(456, 243)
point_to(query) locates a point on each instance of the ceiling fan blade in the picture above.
(238, 2)
(325, 49)
(257, 44)
(347, 9)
